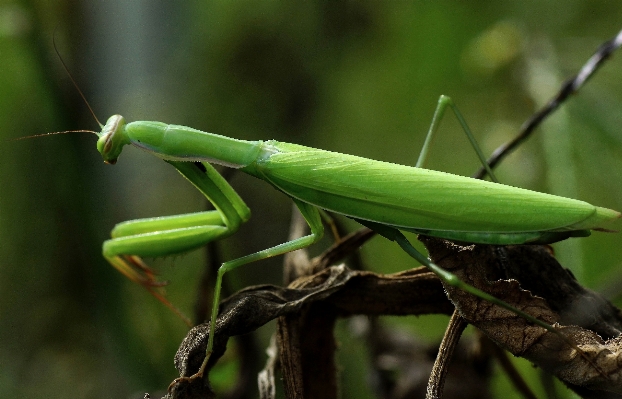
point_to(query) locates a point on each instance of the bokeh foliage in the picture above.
(359, 77)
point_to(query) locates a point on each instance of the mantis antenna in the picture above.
(81, 95)
(74, 82)
(52, 133)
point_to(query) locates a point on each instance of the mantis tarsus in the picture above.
(383, 196)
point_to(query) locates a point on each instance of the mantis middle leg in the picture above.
(312, 216)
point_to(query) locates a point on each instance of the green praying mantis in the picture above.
(386, 197)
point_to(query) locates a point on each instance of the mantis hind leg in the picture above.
(441, 107)
(448, 277)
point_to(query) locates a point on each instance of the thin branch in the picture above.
(570, 87)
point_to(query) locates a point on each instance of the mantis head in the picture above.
(112, 138)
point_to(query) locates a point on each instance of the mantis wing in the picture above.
(419, 199)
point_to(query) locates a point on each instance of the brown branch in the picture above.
(347, 292)
(338, 291)
(579, 314)
(441, 366)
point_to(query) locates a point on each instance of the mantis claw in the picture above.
(135, 269)
(148, 278)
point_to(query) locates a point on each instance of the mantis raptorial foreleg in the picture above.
(176, 234)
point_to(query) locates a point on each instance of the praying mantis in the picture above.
(386, 197)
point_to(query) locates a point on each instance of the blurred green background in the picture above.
(360, 77)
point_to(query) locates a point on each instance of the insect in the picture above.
(386, 197)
